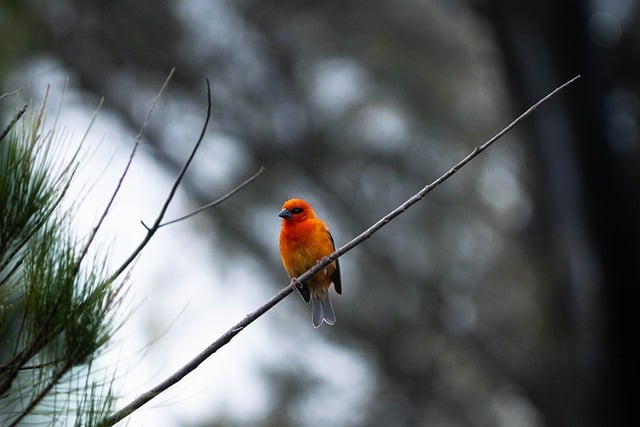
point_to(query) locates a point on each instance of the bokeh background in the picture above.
(506, 298)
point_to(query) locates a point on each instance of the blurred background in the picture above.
(505, 298)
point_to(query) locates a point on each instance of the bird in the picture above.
(304, 240)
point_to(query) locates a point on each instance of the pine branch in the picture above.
(65, 314)
(13, 121)
(41, 394)
(369, 232)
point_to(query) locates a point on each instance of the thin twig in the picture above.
(137, 143)
(215, 202)
(249, 318)
(156, 224)
(4, 95)
(13, 121)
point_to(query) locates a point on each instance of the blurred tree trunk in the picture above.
(588, 190)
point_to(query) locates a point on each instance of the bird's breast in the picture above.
(302, 246)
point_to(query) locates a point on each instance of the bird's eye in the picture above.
(296, 210)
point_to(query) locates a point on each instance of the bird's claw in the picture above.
(324, 258)
(295, 284)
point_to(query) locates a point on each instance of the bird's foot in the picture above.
(295, 284)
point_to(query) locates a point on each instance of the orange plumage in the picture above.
(305, 240)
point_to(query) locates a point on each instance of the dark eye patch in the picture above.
(296, 210)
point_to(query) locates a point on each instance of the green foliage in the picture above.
(56, 307)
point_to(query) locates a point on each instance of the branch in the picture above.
(426, 190)
(4, 95)
(156, 224)
(215, 202)
(137, 143)
(249, 318)
(15, 119)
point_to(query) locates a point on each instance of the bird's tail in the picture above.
(321, 309)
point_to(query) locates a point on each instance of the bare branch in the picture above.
(422, 193)
(137, 143)
(4, 95)
(249, 318)
(195, 362)
(156, 224)
(215, 202)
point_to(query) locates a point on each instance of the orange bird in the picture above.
(305, 240)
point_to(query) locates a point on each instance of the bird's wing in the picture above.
(337, 281)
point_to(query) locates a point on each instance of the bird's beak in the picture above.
(285, 213)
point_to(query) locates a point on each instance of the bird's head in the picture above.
(295, 210)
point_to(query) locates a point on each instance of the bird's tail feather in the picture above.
(321, 309)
